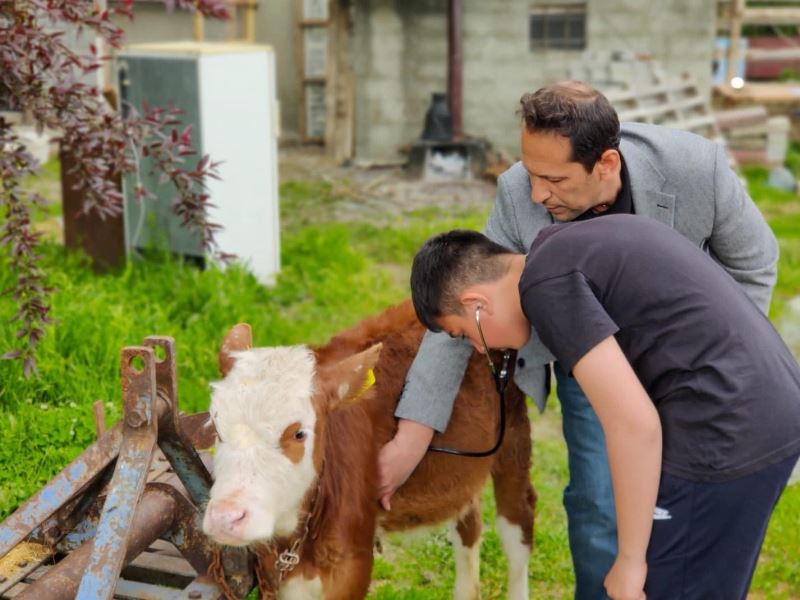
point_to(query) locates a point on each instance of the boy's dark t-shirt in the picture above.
(726, 387)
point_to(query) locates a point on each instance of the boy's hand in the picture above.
(625, 580)
(398, 459)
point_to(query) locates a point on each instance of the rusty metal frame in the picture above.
(73, 538)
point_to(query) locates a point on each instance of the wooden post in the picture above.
(339, 86)
(198, 26)
(299, 58)
(250, 21)
(735, 34)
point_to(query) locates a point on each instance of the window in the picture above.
(558, 27)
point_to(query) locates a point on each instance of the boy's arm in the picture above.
(425, 405)
(633, 438)
(436, 373)
(398, 459)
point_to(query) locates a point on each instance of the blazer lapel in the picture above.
(647, 183)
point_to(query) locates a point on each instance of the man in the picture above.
(699, 399)
(578, 164)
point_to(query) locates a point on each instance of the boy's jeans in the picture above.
(588, 498)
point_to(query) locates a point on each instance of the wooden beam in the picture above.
(733, 40)
(792, 53)
(198, 32)
(300, 67)
(772, 16)
(339, 87)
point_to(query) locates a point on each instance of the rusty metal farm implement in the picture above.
(123, 520)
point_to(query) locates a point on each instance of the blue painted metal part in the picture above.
(66, 515)
(81, 533)
(140, 432)
(175, 445)
(61, 489)
(154, 514)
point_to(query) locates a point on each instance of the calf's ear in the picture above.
(239, 338)
(352, 377)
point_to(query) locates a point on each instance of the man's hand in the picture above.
(625, 580)
(398, 459)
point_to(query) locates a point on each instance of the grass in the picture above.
(333, 275)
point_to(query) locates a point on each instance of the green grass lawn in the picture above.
(333, 275)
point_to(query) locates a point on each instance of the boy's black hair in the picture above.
(445, 265)
(576, 111)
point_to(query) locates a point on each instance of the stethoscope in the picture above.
(500, 382)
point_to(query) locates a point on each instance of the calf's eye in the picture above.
(293, 442)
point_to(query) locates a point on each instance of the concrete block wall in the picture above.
(400, 59)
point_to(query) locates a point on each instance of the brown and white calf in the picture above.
(299, 431)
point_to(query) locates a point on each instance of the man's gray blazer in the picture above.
(678, 178)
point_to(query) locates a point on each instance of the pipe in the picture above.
(455, 63)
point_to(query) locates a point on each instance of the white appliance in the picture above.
(227, 93)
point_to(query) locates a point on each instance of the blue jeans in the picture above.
(588, 498)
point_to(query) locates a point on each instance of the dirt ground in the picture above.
(375, 192)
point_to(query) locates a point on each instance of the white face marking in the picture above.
(258, 490)
(517, 555)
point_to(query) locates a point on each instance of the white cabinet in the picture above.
(227, 93)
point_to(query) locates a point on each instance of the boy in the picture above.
(697, 395)
(579, 163)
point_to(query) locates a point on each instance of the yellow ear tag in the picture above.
(368, 383)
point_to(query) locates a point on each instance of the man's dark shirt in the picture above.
(623, 205)
(726, 388)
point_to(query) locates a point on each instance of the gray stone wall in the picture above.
(400, 60)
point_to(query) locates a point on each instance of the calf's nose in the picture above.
(224, 517)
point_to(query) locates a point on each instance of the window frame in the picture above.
(549, 18)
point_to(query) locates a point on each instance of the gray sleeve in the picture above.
(433, 380)
(435, 376)
(741, 240)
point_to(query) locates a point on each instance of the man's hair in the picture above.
(445, 265)
(576, 111)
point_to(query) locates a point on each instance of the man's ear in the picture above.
(609, 163)
(352, 377)
(239, 338)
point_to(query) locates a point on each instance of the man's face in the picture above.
(506, 330)
(559, 184)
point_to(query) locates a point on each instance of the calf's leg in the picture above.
(350, 578)
(466, 539)
(515, 499)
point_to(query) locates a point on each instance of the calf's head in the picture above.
(269, 412)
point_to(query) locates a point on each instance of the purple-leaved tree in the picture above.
(40, 73)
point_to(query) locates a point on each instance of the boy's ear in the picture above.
(472, 299)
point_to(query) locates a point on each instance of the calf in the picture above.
(299, 431)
